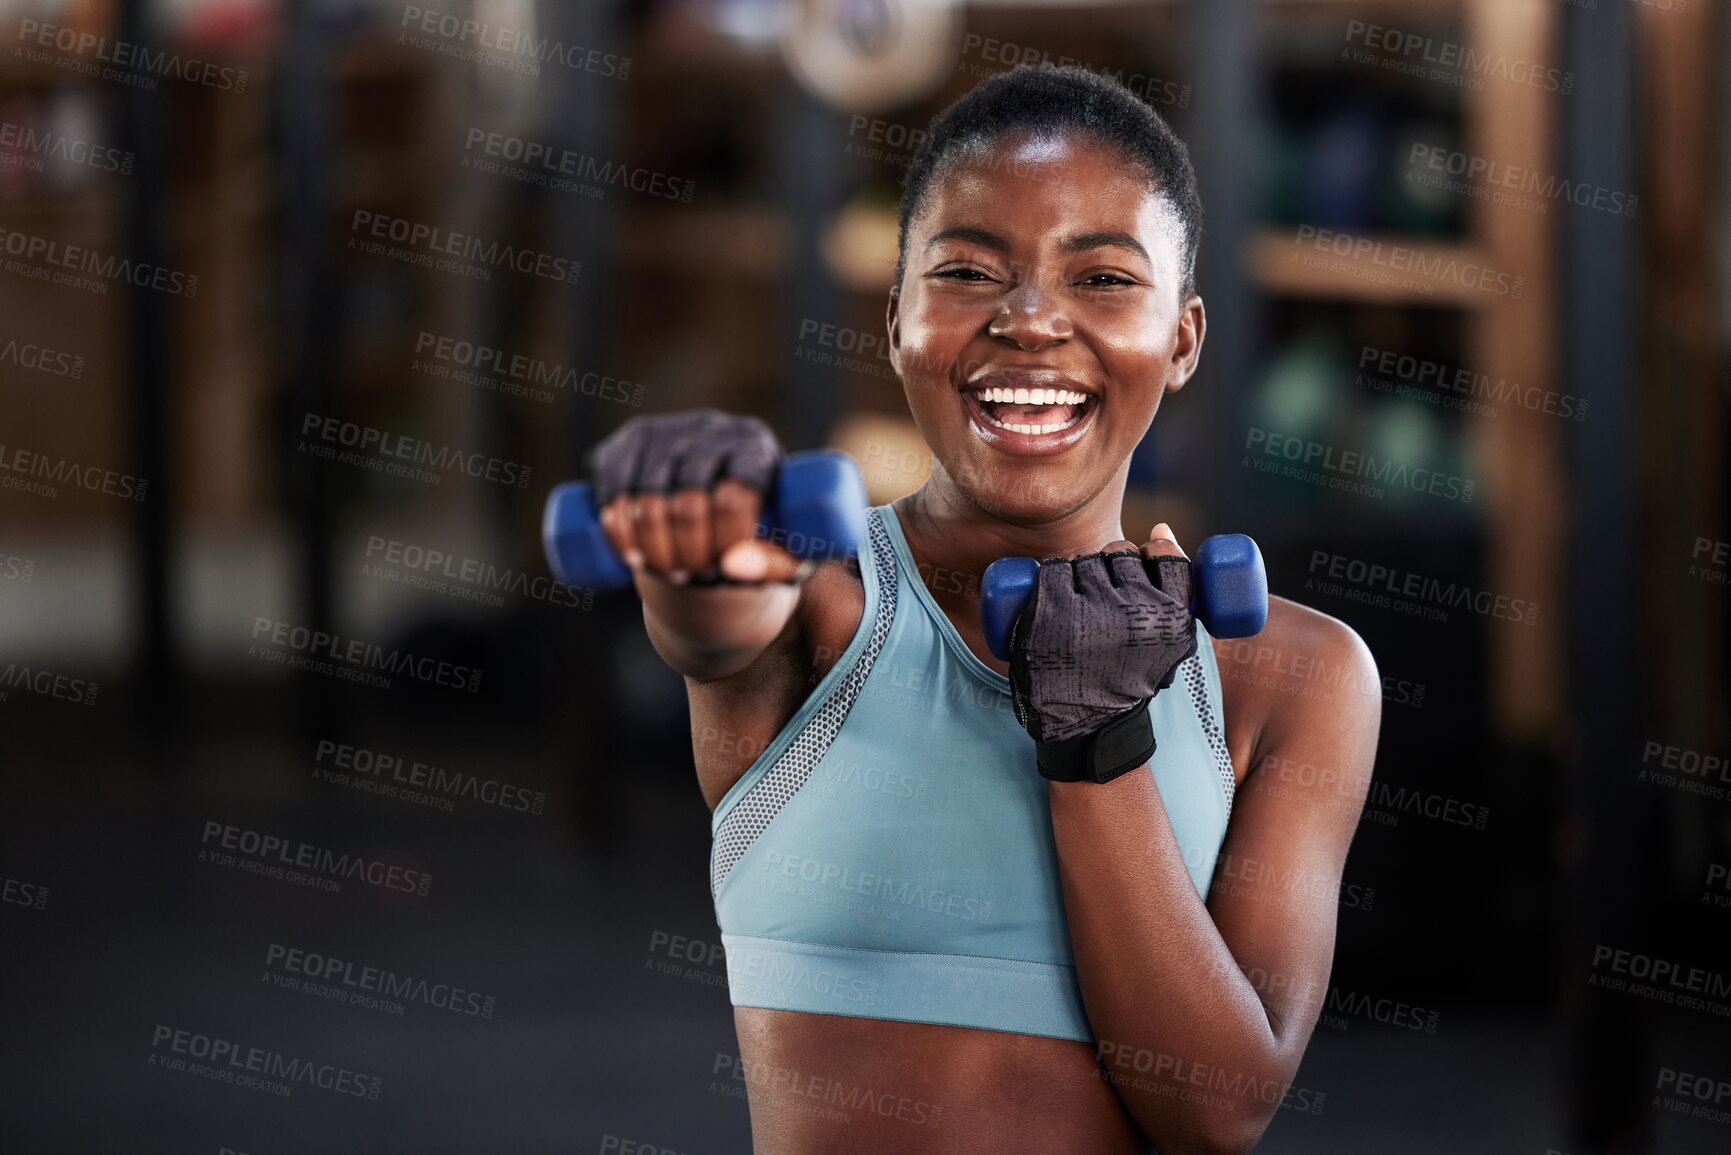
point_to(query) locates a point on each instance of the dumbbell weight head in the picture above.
(1230, 591)
(578, 551)
(818, 509)
(1005, 588)
(1231, 587)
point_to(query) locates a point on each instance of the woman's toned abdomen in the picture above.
(835, 1085)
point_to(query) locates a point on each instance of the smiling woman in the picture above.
(1041, 938)
(1048, 242)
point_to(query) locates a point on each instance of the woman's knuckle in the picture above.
(732, 500)
(688, 506)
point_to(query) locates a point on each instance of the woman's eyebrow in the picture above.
(1082, 242)
(1079, 243)
(979, 236)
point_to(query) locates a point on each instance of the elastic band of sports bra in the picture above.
(995, 994)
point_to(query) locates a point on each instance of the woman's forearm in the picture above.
(1183, 1035)
(710, 632)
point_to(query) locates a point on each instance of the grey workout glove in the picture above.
(691, 450)
(1099, 637)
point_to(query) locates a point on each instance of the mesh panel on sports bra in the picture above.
(760, 804)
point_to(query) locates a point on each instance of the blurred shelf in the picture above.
(1279, 263)
(748, 241)
(1095, 15)
(1320, 528)
(860, 246)
(375, 55)
(44, 207)
(1104, 8)
(675, 44)
(373, 180)
(1093, 8)
(18, 74)
(1403, 12)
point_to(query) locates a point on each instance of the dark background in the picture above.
(585, 918)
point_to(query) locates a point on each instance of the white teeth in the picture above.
(1004, 396)
(1023, 427)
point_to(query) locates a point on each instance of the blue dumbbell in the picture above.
(1230, 591)
(818, 510)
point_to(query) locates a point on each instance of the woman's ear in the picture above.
(893, 320)
(1187, 350)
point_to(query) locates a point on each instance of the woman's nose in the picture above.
(1032, 316)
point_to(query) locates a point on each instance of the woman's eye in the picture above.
(1099, 279)
(962, 274)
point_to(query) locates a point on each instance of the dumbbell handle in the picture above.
(818, 510)
(1228, 582)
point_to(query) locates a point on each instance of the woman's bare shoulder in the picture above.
(1303, 662)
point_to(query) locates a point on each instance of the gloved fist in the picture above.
(1099, 637)
(681, 491)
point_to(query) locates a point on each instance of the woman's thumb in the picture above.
(758, 561)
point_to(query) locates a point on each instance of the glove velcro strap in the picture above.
(1116, 748)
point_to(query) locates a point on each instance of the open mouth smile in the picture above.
(1033, 420)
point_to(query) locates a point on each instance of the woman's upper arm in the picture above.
(1276, 887)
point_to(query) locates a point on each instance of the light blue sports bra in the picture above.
(890, 854)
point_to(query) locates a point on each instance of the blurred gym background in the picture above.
(1482, 238)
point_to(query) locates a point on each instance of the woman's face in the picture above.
(1038, 322)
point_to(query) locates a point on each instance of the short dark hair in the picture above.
(1048, 101)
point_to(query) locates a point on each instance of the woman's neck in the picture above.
(946, 531)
